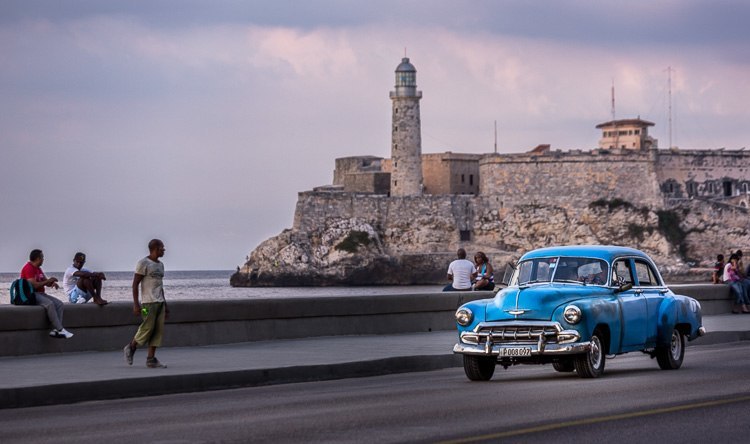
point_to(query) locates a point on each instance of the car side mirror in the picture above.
(507, 274)
(624, 287)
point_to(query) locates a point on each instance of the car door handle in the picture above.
(638, 291)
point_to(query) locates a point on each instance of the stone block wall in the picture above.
(703, 173)
(373, 183)
(354, 165)
(449, 173)
(341, 238)
(571, 179)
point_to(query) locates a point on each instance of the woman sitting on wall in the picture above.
(485, 280)
(732, 278)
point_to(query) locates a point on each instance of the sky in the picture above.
(198, 122)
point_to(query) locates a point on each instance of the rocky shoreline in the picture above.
(389, 246)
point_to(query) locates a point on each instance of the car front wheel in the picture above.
(479, 368)
(670, 356)
(591, 364)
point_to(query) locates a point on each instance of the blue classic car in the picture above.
(573, 307)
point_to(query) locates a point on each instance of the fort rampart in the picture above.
(572, 179)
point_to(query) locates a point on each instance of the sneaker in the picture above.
(128, 354)
(61, 334)
(81, 300)
(154, 363)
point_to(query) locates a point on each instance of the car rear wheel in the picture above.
(591, 364)
(565, 366)
(670, 356)
(479, 368)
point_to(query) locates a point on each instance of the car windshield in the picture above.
(561, 269)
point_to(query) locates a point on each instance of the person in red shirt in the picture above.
(33, 273)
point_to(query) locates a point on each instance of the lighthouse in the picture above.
(406, 138)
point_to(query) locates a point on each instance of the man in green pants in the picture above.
(151, 306)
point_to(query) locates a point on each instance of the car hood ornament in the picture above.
(516, 311)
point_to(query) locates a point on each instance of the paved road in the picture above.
(705, 401)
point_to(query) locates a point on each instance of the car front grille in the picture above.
(526, 333)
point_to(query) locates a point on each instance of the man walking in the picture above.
(151, 305)
(461, 273)
(33, 273)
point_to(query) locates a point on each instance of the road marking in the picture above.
(588, 421)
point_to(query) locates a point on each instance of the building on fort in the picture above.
(627, 164)
(398, 220)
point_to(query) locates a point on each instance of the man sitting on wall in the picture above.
(461, 273)
(82, 284)
(33, 273)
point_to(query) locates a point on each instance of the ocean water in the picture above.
(192, 285)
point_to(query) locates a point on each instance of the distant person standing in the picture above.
(461, 273)
(82, 284)
(33, 273)
(151, 305)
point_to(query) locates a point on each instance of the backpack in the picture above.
(22, 293)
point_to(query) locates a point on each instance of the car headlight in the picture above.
(464, 316)
(572, 314)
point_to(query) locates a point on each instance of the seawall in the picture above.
(24, 330)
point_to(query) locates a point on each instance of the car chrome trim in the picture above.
(542, 336)
(516, 312)
(490, 349)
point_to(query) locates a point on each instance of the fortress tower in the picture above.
(406, 139)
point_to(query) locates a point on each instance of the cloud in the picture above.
(201, 127)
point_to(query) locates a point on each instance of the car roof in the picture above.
(605, 252)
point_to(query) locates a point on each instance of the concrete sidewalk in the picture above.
(82, 376)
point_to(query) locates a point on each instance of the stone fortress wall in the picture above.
(524, 201)
(646, 177)
(399, 220)
(571, 179)
(680, 206)
(722, 175)
(367, 239)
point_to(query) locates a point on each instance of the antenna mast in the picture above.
(614, 121)
(669, 84)
(495, 136)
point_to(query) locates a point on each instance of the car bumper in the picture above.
(520, 339)
(505, 349)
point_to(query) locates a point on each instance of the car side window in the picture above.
(622, 272)
(646, 275)
(543, 272)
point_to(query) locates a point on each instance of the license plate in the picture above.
(515, 351)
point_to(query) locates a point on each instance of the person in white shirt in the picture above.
(461, 273)
(82, 284)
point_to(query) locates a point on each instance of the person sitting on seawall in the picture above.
(485, 279)
(33, 273)
(718, 269)
(732, 278)
(740, 267)
(82, 284)
(461, 273)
